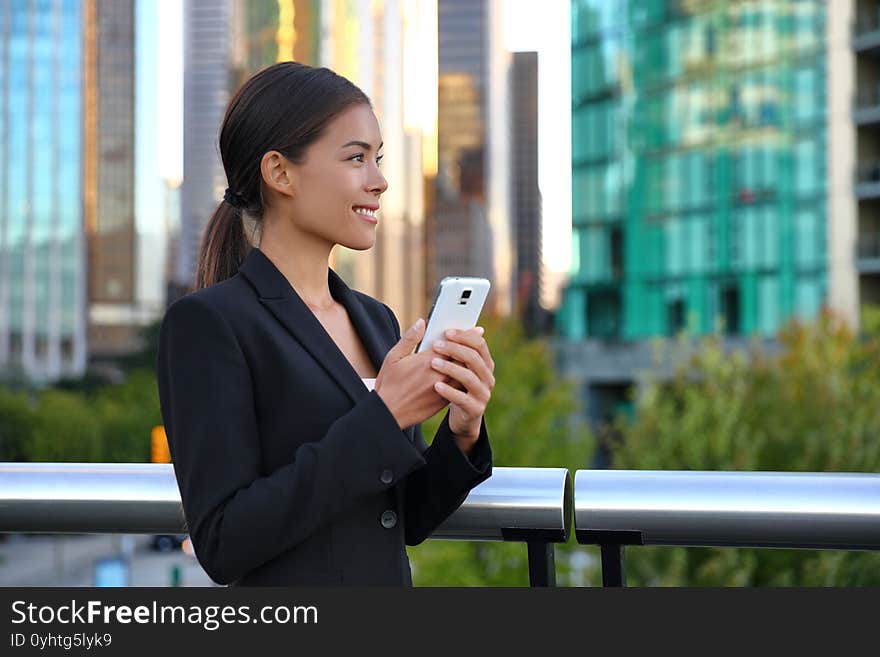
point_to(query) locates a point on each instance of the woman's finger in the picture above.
(465, 376)
(469, 357)
(474, 339)
(465, 401)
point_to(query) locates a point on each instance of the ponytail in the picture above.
(224, 246)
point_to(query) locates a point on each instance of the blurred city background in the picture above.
(677, 203)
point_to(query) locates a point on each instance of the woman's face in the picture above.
(338, 184)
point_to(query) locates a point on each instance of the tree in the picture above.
(532, 421)
(814, 406)
(79, 422)
(17, 418)
(127, 413)
(65, 430)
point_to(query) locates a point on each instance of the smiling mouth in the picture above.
(368, 213)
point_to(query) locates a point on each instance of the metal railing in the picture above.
(612, 508)
(615, 508)
(529, 505)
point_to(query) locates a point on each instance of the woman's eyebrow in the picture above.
(362, 144)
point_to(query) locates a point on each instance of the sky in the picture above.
(545, 31)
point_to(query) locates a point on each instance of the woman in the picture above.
(293, 466)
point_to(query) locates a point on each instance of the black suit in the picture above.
(290, 470)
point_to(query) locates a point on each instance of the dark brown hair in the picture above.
(283, 107)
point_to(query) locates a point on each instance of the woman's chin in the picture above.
(362, 244)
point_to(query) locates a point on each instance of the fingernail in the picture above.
(440, 343)
(451, 333)
(481, 330)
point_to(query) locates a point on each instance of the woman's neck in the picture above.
(302, 259)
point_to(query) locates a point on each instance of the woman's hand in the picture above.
(405, 381)
(464, 357)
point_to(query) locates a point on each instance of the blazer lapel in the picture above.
(376, 344)
(276, 293)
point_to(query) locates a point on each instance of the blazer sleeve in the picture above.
(237, 518)
(435, 491)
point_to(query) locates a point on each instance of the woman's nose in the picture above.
(378, 183)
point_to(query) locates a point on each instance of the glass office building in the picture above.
(42, 250)
(699, 167)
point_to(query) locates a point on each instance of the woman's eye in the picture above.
(360, 158)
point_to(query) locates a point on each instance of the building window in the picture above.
(603, 314)
(616, 253)
(730, 309)
(675, 316)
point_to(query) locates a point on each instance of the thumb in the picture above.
(409, 340)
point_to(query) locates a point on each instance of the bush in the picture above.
(814, 407)
(127, 413)
(81, 423)
(65, 430)
(17, 419)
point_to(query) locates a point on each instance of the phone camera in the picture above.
(466, 294)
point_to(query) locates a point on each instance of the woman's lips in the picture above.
(365, 216)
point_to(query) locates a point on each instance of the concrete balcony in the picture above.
(868, 253)
(866, 31)
(866, 107)
(867, 180)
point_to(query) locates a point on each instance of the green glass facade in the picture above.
(698, 167)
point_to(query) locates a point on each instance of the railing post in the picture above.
(542, 564)
(613, 571)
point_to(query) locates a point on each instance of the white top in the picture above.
(369, 383)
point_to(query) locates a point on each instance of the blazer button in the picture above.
(389, 519)
(386, 477)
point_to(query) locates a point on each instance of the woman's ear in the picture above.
(278, 173)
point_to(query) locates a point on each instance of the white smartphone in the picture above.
(457, 305)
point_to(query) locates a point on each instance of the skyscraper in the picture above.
(469, 229)
(79, 270)
(67, 246)
(109, 174)
(42, 242)
(702, 177)
(524, 194)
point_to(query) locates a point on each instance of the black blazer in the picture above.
(290, 470)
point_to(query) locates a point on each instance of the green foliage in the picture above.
(17, 419)
(127, 413)
(870, 319)
(65, 430)
(532, 421)
(81, 422)
(813, 407)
